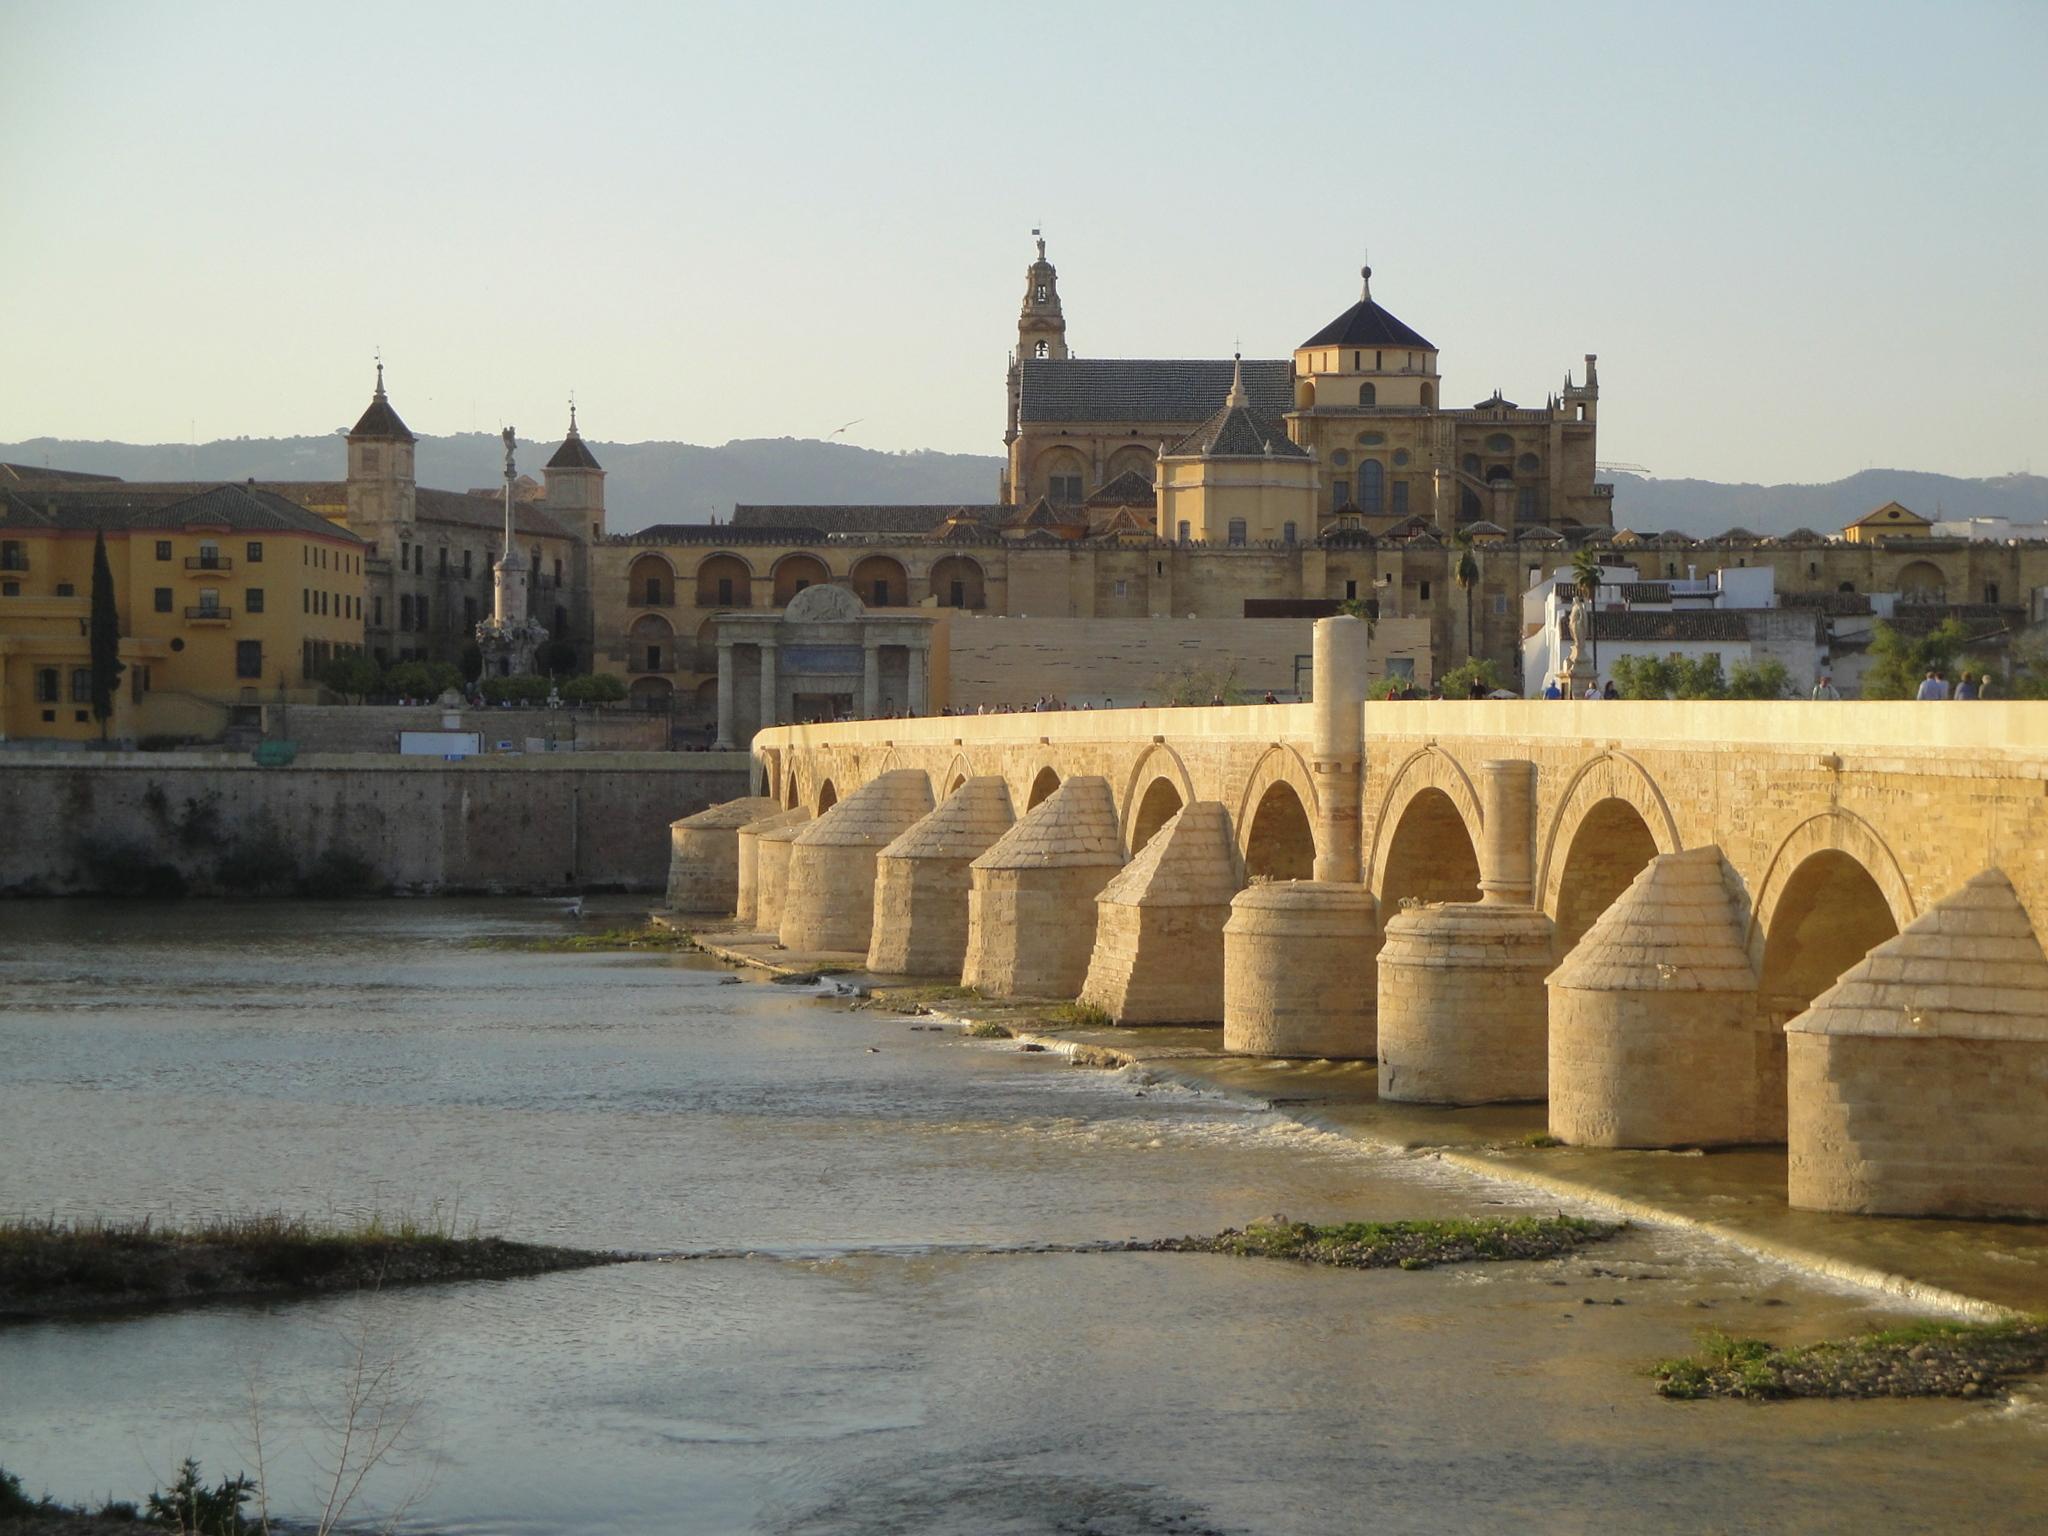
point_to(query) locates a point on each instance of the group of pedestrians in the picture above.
(1968, 686)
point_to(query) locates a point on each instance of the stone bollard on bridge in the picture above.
(1655, 1037)
(1917, 1085)
(704, 857)
(828, 901)
(1158, 956)
(1463, 1016)
(922, 881)
(1031, 903)
(746, 905)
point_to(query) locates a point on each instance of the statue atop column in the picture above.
(509, 637)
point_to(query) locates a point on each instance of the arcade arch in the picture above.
(881, 582)
(724, 581)
(1046, 782)
(795, 572)
(651, 644)
(828, 796)
(957, 582)
(651, 582)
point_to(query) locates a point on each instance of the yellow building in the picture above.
(1890, 521)
(1237, 479)
(231, 596)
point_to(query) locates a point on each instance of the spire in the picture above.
(1365, 286)
(572, 413)
(379, 421)
(1237, 396)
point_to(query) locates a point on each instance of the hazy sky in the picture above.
(1803, 238)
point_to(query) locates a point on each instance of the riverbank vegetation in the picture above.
(1397, 1244)
(651, 936)
(1925, 1359)
(49, 1265)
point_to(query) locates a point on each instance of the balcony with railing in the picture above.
(13, 561)
(209, 563)
(209, 613)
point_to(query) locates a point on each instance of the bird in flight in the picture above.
(853, 423)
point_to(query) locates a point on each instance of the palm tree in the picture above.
(1467, 576)
(1586, 582)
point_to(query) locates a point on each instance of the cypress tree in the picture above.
(106, 635)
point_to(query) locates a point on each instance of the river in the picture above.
(866, 1367)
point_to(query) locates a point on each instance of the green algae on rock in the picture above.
(1398, 1244)
(1936, 1358)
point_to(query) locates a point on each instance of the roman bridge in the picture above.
(1617, 906)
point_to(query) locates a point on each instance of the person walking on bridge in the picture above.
(1825, 690)
(1931, 686)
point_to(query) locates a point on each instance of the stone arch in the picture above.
(880, 581)
(1157, 764)
(1161, 803)
(1065, 463)
(1834, 830)
(654, 694)
(1921, 581)
(828, 796)
(651, 581)
(705, 655)
(792, 797)
(1044, 784)
(1610, 846)
(724, 580)
(1425, 770)
(651, 644)
(793, 573)
(958, 582)
(1140, 461)
(1279, 840)
(1276, 765)
(1431, 854)
(956, 773)
(1616, 807)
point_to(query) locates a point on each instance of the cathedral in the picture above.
(1351, 431)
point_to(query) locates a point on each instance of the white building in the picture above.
(1993, 530)
(1732, 614)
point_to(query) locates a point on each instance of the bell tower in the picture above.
(1041, 336)
(380, 473)
(1041, 328)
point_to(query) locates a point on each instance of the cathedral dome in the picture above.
(1366, 324)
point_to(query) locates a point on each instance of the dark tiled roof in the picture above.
(380, 420)
(1365, 324)
(1128, 489)
(1836, 604)
(1240, 432)
(1645, 591)
(466, 511)
(861, 519)
(574, 453)
(1170, 391)
(36, 474)
(235, 507)
(1683, 625)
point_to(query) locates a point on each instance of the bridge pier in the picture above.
(1462, 1009)
(1918, 1083)
(1298, 971)
(771, 870)
(704, 857)
(922, 880)
(1655, 1038)
(747, 904)
(829, 900)
(1158, 955)
(1031, 901)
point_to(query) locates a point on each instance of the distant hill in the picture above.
(645, 482)
(687, 482)
(1702, 507)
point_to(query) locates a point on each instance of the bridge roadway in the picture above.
(1482, 841)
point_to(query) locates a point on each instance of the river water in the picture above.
(866, 1368)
